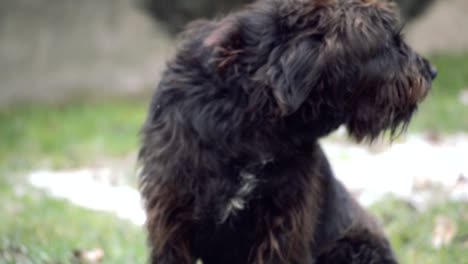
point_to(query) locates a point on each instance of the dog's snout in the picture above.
(433, 71)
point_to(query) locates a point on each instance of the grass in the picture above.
(410, 231)
(37, 229)
(443, 111)
(67, 131)
(69, 134)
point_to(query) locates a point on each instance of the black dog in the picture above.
(232, 169)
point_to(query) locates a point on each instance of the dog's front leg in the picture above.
(169, 226)
(362, 247)
(170, 245)
(284, 232)
(280, 246)
(171, 256)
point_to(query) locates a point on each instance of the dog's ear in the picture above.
(224, 42)
(225, 31)
(292, 72)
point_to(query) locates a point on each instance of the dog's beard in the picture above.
(371, 121)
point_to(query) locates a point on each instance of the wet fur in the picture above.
(232, 171)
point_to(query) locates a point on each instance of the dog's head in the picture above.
(343, 60)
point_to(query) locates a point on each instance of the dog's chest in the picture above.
(228, 242)
(241, 197)
(248, 187)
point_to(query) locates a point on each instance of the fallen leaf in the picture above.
(433, 136)
(463, 240)
(421, 183)
(464, 96)
(444, 232)
(462, 179)
(91, 256)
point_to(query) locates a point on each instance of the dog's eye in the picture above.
(398, 35)
(317, 37)
(398, 39)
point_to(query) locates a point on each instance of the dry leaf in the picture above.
(463, 240)
(433, 136)
(465, 244)
(464, 96)
(444, 232)
(89, 256)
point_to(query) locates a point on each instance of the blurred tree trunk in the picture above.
(174, 14)
(410, 9)
(51, 50)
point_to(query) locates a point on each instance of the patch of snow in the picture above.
(410, 170)
(403, 169)
(87, 189)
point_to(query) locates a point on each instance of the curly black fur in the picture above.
(232, 169)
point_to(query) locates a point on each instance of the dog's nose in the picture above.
(433, 71)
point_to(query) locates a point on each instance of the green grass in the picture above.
(410, 231)
(37, 229)
(69, 134)
(442, 110)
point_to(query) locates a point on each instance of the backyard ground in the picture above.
(37, 226)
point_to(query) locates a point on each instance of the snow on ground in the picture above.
(414, 169)
(410, 169)
(90, 189)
